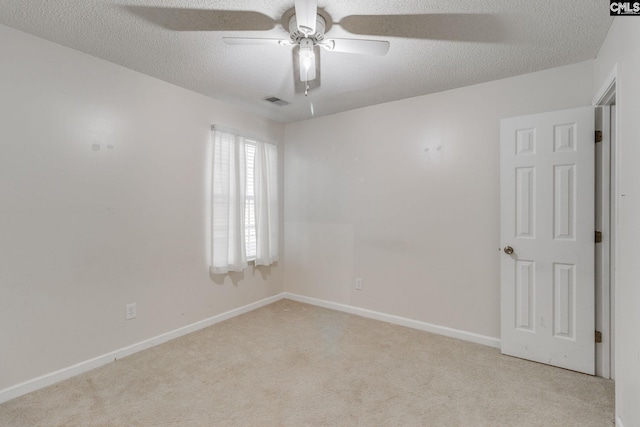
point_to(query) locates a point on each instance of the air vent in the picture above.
(276, 100)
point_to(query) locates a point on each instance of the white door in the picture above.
(547, 219)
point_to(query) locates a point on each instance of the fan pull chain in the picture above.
(306, 89)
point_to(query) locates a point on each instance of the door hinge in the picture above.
(598, 236)
(598, 136)
(598, 336)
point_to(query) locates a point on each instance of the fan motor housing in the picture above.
(297, 35)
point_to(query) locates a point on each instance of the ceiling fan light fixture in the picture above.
(307, 60)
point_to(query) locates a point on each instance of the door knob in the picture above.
(508, 250)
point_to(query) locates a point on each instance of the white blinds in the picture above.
(250, 203)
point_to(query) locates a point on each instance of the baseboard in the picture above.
(397, 320)
(87, 365)
(619, 422)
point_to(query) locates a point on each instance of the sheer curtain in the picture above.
(266, 193)
(228, 188)
(233, 206)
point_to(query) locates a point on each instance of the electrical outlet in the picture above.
(358, 284)
(130, 311)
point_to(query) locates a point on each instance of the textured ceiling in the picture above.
(435, 45)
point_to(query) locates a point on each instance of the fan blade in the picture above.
(306, 11)
(176, 19)
(255, 41)
(366, 47)
(473, 27)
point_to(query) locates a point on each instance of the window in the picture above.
(244, 202)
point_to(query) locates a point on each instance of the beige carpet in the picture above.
(291, 364)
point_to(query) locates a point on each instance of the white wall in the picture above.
(84, 232)
(622, 46)
(405, 195)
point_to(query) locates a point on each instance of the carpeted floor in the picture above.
(292, 364)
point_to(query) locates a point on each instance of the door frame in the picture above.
(607, 266)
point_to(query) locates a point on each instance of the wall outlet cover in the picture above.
(130, 311)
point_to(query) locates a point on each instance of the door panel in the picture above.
(547, 216)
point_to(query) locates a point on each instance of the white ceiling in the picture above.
(453, 43)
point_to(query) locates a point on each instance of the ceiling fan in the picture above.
(306, 30)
